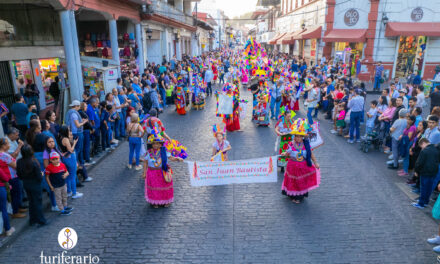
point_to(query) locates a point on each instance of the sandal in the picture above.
(167, 205)
(296, 201)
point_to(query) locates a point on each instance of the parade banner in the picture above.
(228, 172)
(225, 105)
(315, 137)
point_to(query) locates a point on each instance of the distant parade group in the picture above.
(276, 92)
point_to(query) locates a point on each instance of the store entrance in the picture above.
(410, 55)
(6, 84)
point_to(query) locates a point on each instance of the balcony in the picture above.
(164, 9)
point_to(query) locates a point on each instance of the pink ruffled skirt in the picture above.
(299, 178)
(157, 190)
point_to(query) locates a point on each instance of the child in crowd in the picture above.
(56, 174)
(169, 93)
(371, 117)
(340, 122)
(104, 126)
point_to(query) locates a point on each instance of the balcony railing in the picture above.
(164, 9)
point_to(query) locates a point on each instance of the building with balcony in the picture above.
(84, 43)
(169, 29)
(206, 6)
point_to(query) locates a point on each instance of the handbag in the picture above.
(436, 209)
(168, 175)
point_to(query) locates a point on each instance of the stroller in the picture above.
(372, 139)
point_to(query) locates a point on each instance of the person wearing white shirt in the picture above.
(15, 143)
(420, 97)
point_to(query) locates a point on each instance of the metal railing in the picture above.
(164, 9)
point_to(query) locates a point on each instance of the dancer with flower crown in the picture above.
(157, 172)
(302, 171)
(221, 146)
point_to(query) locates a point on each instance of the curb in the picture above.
(21, 225)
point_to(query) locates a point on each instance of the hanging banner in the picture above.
(205, 173)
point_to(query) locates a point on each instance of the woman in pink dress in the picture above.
(302, 172)
(157, 173)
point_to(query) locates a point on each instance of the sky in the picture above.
(235, 8)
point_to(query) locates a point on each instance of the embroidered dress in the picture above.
(180, 102)
(284, 127)
(157, 190)
(299, 178)
(221, 146)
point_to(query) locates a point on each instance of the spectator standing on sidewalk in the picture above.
(396, 131)
(420, 96)
(426, 168)
(87, 131)
(378, 76)
(20, 110)
(9, 166)
(76, 125)
(356, 105)
(54, 91)
(435, 98)
(4, 192)
(67, 146)
(29, 171)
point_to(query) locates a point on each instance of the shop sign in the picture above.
(313, 48)
(351, 17)
(417, 14)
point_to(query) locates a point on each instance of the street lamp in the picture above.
(384, 19)
(303, 25)
(149, 32)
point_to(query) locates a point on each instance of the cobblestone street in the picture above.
(357, 215)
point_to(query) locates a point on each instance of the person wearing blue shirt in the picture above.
(303, 67)
(378, 76)
(418, 79)
(32, 112)
(135, 85)
(294, 67)
(155, 98)
(93, 114)
(275, 99)
(356, 105)
(105, 126)
(20, 110)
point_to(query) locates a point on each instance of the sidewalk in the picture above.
(22, 224)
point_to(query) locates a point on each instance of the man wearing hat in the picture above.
(76, 123)
(402, 92)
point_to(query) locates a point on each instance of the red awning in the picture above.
(312, 33)
(298, 34)
(345, 35)
(395, 29)
(273, 41)
(286, 39)
(279, 41)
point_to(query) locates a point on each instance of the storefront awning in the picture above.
(276, 38)
(311, 33)
(290, 37)
(345, 35)
(406, 29)
(280, 40)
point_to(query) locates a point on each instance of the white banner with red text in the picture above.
(206, 173)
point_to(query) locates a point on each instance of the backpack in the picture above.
(147, 103)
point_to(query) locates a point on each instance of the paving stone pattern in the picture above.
(358, 215)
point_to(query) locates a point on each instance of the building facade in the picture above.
(403, 35)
